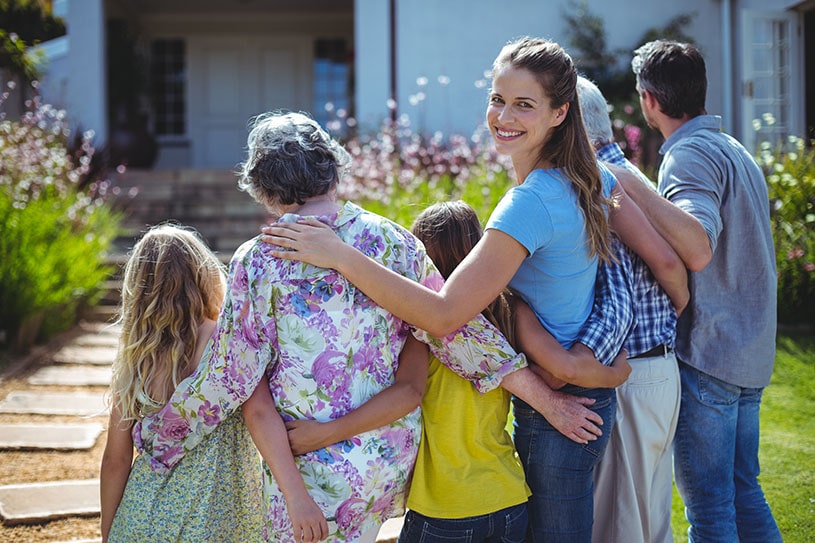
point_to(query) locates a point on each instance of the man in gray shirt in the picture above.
(715, 214)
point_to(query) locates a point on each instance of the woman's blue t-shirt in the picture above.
(557, 278)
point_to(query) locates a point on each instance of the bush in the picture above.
(54, 235)
(790, 171)
(397, 172)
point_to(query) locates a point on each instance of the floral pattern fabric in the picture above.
(192, 504)
(326, 349)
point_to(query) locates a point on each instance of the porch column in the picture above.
(86, 95)
(372, 63)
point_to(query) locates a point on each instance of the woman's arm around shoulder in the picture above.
(475, 283)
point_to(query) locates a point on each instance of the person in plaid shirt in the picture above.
(633, 483)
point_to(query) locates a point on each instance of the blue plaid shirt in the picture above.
(654, 320)
(612, 317)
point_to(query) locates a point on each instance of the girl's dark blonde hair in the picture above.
(568, 147)
(449, 231)
(172, 283)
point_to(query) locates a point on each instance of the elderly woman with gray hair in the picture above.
(327, 349)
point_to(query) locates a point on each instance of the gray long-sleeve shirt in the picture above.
(728, 330)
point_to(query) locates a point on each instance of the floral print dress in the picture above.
(196, 502)
(326, 349)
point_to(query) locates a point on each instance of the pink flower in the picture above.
(350, 513)
(809, 266)
(795, 253)
(173, 427)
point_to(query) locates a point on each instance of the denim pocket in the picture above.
(714, 391)
(433, 534)
(517, 520)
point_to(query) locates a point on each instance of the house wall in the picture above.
(460, 38)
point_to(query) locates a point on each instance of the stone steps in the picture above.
(207, 200)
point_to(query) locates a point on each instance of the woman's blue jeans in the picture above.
(716, 462)
(559, 471)
(504, 526)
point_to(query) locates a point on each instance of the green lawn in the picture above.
(787, 451)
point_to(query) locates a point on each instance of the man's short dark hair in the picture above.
(674, 73)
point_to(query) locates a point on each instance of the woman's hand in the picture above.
(306, 436)
(307, 240)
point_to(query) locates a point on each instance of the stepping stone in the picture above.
(101, 328)
(390, 530)
(37, 502)
(49, 436)
(54, 403)
(85, 355)
(97, 340)
(72, 376)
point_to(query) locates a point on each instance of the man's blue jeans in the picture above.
(716, 462)
(504, 526)
(559, 471)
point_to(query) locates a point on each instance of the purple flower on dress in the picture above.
(350, 513)
(323, 290)
(328, 370)
(210, 413)
(369, 244)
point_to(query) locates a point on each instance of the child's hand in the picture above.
(306, 436)
(307, 520)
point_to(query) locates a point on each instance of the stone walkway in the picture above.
(84, 362)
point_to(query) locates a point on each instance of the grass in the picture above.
(787, 448)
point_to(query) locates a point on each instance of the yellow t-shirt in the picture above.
(467, 464)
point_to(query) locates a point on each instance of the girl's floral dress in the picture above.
(326, 349)
(214, 494)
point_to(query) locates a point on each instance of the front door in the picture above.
(234, 79)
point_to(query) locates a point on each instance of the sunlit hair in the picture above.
(594, 108)
(568, 145)
(674, 73)
(290, 159)
(449, 231)
(172, 283)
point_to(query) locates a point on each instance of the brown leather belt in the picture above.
(660, 350)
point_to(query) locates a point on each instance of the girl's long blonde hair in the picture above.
(172, 283)
(568, 147)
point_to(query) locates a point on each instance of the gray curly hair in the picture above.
(595, 113)
(290, 159)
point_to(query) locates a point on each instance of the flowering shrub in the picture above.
(790, 171)
(398, 172)
(53, 234)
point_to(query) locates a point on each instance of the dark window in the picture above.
(332, 83)
(168, 78)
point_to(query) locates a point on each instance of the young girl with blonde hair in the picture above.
(172, 292)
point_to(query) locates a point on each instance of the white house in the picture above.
(215, 63)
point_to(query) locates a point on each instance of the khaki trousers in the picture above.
(633, 482)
